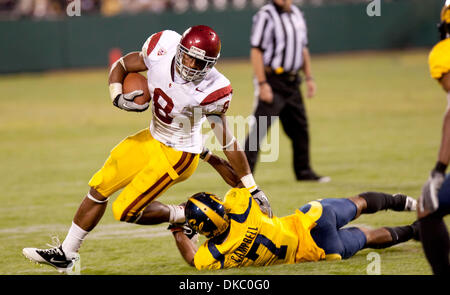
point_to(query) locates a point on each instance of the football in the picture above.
(135, 81)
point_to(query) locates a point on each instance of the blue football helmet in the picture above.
(206, 214)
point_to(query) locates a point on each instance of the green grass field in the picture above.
(375, 125)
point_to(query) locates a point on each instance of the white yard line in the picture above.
(101, 232)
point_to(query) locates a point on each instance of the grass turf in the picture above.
(375, 124)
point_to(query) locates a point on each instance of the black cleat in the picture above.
(404, 203)
(416, 231)
(53, 256)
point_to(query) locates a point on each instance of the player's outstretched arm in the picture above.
(186, 247)
(222, 167)
(444, 151)
(428, 202)
(238, 160)
(230, 146)
(131, 63)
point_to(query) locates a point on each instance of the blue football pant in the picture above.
(329, 234)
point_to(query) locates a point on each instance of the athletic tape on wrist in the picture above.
(115, 89)
(249, 182)
(176, 214)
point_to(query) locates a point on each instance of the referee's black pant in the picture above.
(288, 106)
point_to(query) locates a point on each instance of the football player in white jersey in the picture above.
(185, 89)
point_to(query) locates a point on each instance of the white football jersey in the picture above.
(179, 107)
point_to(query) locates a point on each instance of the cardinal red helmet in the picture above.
(202, 43)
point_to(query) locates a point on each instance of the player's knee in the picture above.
(121, 214)
(360, 204)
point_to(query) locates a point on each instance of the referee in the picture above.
(278, 52)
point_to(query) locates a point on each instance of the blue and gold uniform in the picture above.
(330, 216)
(312, 233)
(255, 239)
(439, 65)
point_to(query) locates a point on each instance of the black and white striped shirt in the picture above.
(281, 36)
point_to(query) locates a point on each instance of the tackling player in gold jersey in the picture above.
(240, 234)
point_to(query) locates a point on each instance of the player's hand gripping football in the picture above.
(126, 102)
(429, 199)
(263, 202)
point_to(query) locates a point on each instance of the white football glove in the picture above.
(126, 102)
(263, 202)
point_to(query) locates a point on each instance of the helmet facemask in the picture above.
(190, 74)
(206, 214)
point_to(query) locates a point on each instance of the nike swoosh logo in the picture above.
(198, 90)
(56, 261)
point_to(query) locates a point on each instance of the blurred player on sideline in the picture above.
(434, 203)
(185, 89)
(240, 234)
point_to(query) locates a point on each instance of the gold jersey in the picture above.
(256, 239)
(439, 59)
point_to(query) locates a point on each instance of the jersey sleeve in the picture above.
(439, 59)
(217, 102)
(237, 200)
(260, 30)
(159, 44)
(303, 28)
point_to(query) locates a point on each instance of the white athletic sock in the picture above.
(73, 240)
